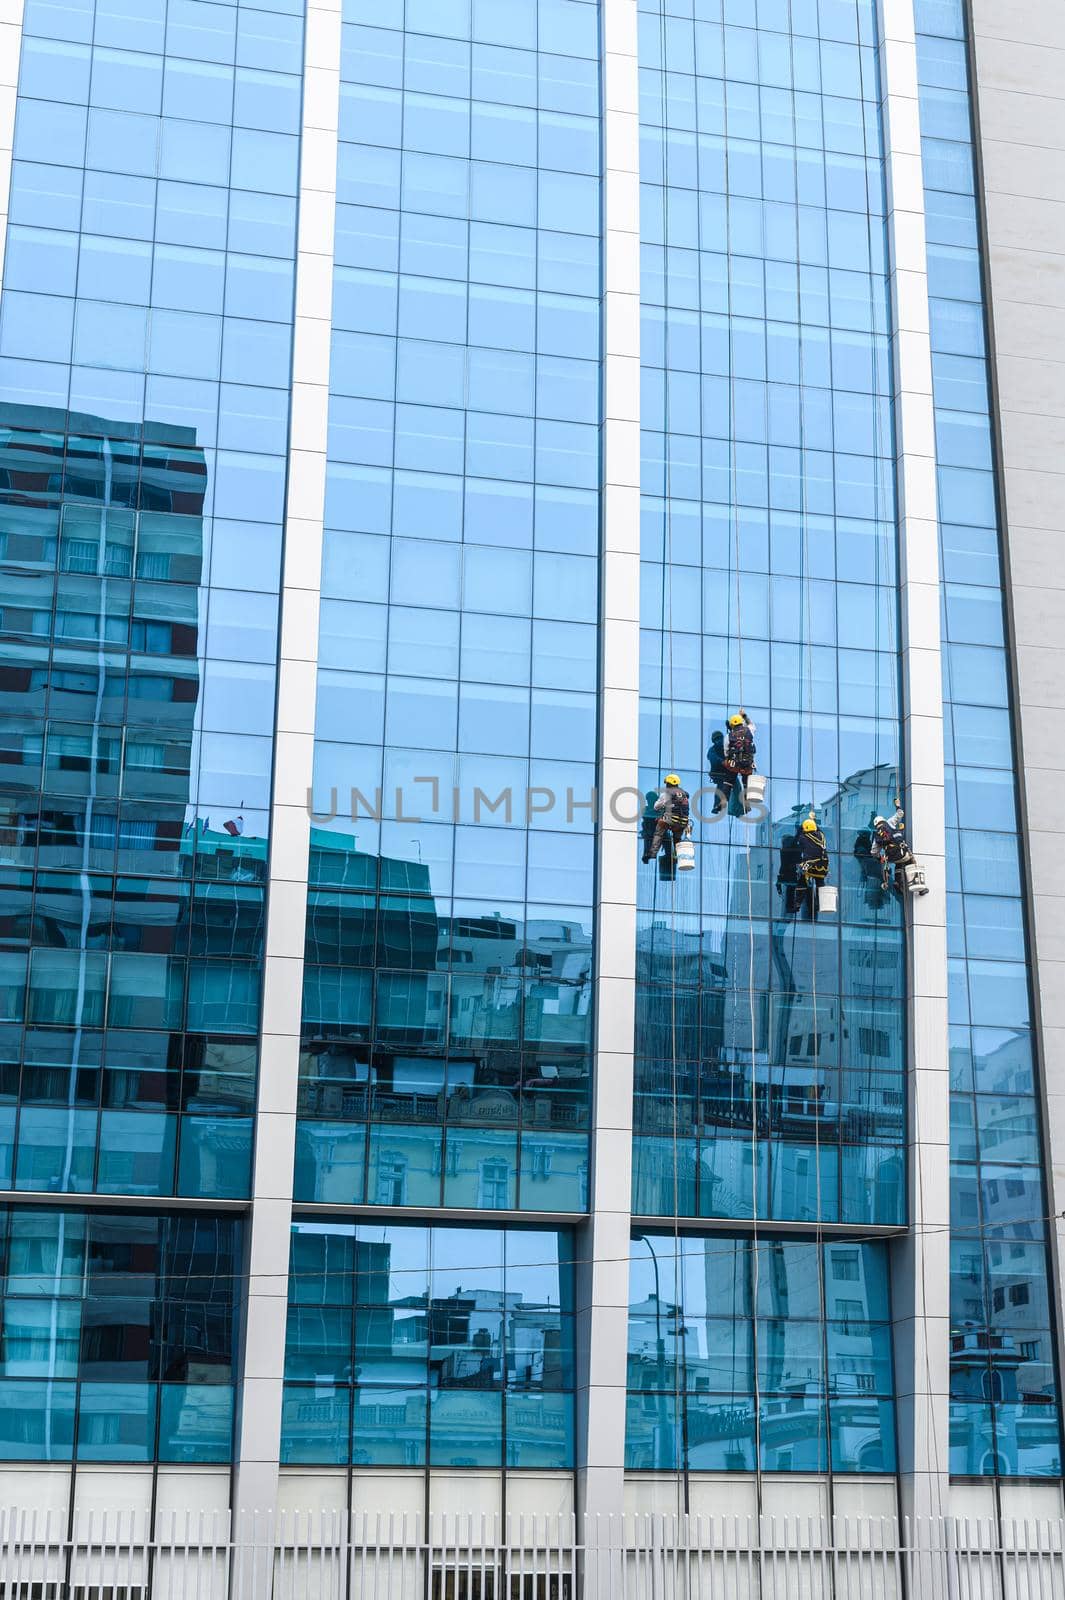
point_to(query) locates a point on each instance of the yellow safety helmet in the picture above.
(735, 722)
(809, 825)
(672, 781)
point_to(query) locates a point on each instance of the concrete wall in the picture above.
(1019, 57)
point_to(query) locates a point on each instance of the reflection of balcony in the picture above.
(407, 1108)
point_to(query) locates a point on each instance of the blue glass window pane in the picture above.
(480, 1169)
(652, 1442)
(318, 1343)
(790, 1357)
(1028, 1439)
(721, 1434)
(392, 1347)
(998, 993)
(330, 1161)
(321, 1264)
(315, 1424)
(859, 1358)
(214, 1160)
(55, 1150)
(390, 1427)
(554, 1171)
(404, 1166)
(539, 1431)
(136, 1153)
(1002, 1061)
(873, 1185)
(116, 1422)
(794, 1434)
(863, 1436)
(41, 1338)
(36, 1420)
(1010, 1195)
(972, 1441)
(195, 1422)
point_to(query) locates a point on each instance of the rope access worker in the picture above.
(803, 867)
(673, 808)
(739, 752)
(891, 849)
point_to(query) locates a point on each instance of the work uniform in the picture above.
(890, 848)
(673, 807)
(813, 856)
(803, 867)
(740, 748)
(739, 760)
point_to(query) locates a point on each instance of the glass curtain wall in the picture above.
(116, 1336)
(773, 1355)
(1004, 1384)
(439, 1347)
(770, 1046)
(447, 1004)
(145, 335)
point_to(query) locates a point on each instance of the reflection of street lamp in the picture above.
(660, 1349)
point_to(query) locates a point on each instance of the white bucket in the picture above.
(685, 856)
(827, 898)
(754, 788)
(915, 879)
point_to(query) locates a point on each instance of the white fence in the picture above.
(333, 1557)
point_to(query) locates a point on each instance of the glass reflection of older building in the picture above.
(415, 1362)
(790, 1040)
(132, 918)
(444, 1057)
(134, 909)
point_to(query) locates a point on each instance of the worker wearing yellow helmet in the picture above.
(813, 852)
(673, 810)
(738, 761)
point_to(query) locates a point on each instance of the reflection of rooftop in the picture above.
(59, 422)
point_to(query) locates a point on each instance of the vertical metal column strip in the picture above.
(1018, 106)
(10, 50)
(920, 1275)
(603, 1244)
(266, 1288)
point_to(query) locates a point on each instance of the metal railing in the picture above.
(124, 1556)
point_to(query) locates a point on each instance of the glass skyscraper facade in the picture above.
(423, 423)
(448, 988)
(770, 1052)
(1005, 1415)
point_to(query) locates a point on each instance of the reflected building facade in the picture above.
(444, 1059)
